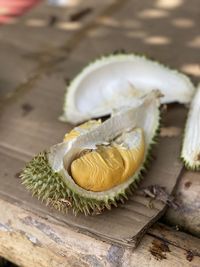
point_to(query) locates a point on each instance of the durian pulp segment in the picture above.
(191, 143)
(108, 166)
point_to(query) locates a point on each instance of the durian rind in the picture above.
(49, 185)
(190, 153)
(171, 93)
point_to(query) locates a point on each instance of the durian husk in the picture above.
(190, 153)
(146, 75)
(46, 177)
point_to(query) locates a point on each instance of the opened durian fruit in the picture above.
(98, 163)
(190, 153)
(118, 80)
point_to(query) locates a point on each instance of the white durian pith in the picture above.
(191, 143)
(118, 80)
(48, 175)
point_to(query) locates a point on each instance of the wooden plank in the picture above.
(47, 27)
(48, 243)
(11, 75)
(39, 128)
(32, 41)
(175, 237)
(187, 217)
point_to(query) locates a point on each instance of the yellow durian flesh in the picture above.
(109, 166)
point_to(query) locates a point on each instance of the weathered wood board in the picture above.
(187, 217)
(33, 40)
(55, 244)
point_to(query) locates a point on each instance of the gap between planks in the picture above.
(54, 218)
(45, 234)
(156, 232)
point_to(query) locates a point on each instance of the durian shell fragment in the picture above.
(190, 153)
(118, 80)
(47, 175)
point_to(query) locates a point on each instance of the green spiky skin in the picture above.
(192, 162)
(48, 186)
(189, 166)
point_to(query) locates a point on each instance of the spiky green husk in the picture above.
(190, 152)
(48, 178)
(49, 186)
(190, 166)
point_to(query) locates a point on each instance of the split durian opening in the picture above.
(109, 164)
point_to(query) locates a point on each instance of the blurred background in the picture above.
(35, 32)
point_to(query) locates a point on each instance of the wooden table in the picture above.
(39, 54)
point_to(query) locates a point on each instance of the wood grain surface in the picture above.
(51, 243)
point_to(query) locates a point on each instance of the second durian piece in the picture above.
(190, 153)
(119, 80)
